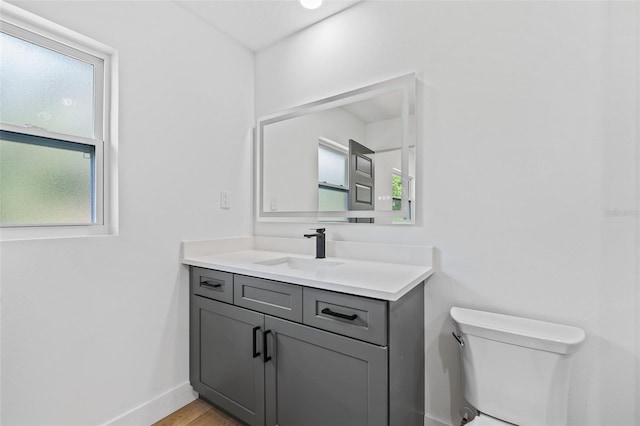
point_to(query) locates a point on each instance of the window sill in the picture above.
(52, 232)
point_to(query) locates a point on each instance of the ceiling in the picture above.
(379, 108)
(257, 24)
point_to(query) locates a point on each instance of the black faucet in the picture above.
(320, 242)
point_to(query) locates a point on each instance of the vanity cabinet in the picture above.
(225, 364)
(288, 355)
(317, 378)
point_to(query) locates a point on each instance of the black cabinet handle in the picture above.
(265, 357)
(211, 284)
(328, 311)
(255, 343)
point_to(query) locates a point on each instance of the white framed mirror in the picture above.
(347, 158)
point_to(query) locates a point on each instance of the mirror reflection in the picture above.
(349, 158)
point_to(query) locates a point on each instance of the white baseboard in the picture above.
(430, 421)
(176, 398)
(161, 406)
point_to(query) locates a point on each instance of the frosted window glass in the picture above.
(45, 184)
(44, 88)
(331, 200)
(332, 167)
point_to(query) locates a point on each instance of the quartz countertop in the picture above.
(375, 279)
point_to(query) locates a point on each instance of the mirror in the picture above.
(347, 158)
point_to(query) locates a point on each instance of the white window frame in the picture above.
(34, 29)
(408, 188)
(329, 145)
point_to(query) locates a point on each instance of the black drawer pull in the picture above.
(265, 357)
(328, 311)
(255, 343)
(211, 284)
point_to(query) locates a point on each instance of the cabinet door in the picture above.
(319, 378)
(226, 365)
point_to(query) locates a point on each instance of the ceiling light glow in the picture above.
(311, 4)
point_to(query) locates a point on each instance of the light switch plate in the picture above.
(225, 200)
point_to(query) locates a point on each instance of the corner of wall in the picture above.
(156, 408)
(430, 421)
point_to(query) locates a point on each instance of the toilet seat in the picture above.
(486, 420)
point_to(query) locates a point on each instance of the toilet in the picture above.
(515, 370)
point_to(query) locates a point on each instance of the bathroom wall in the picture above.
(529, 176)
(93, 328)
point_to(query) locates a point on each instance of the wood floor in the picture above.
(198, 413)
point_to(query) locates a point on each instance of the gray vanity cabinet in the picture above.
(317, 378)
(225, 364)
(279, 354)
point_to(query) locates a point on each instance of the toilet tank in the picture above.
(516, 369)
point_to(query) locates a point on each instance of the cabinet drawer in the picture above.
(271, 297)
(353, 316)
(213, 284)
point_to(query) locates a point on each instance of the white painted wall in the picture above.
(530, 134)
(95, 327)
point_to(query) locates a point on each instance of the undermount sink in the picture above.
(300, 263)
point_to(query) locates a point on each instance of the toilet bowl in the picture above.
(515, 370)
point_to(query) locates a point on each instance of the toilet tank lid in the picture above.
(519, 331)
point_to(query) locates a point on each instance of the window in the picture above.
(333, 172)
(396, 192)
(55, 103)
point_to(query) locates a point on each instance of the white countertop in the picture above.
(376, 279)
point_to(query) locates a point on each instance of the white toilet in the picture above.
(515, 370)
